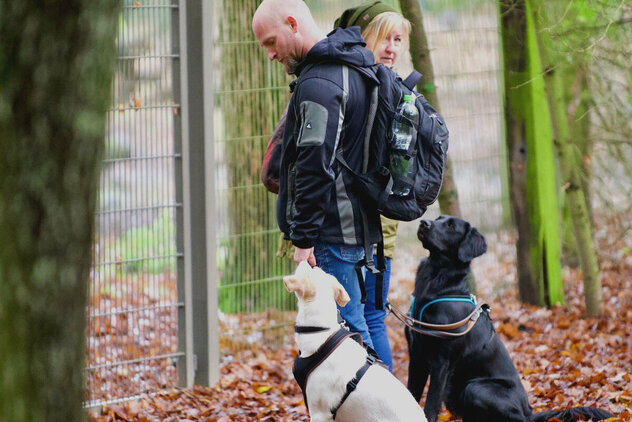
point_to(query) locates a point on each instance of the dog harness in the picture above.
(466, 299)
(303, 367)
(442, 330)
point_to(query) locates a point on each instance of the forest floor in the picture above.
(563, 358)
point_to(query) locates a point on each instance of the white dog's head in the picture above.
(317, 293)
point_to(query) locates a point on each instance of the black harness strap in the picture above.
(371, 358)
(306, 329)
(303, 367)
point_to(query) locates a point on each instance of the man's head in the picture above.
(286, 29)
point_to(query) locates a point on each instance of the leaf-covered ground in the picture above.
(564, 359)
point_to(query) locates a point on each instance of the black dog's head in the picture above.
(451, 238)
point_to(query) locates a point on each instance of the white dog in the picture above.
(379, 396)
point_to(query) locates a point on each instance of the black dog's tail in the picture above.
(574, 414)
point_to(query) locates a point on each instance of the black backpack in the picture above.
(428, 149)
(373, 185)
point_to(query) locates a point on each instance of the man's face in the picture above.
(280, 41)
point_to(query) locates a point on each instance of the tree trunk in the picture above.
(532, 164)
(579, 104)
(582, 227)
(579, 125)
(420, 53)
(57, 64)
(513, 29)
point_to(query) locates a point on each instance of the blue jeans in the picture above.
(375, 317)
(339, 261)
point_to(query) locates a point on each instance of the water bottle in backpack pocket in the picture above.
(402, 157)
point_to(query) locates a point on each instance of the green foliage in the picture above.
(585, 12)
(154, 240)
(323, 9)
(577, 26)
(439, 6)
(255, 297)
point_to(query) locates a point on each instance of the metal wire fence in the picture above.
(464, 46)
(133, 339)
(251, 92)
(132, 331)
(132, 344)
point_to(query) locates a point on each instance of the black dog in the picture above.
(473, 374)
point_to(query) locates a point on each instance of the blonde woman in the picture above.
(386, 34)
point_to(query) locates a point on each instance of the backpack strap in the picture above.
(369, 127)
(377, 270)
(379, 278)
(384, 195)
(412, 80)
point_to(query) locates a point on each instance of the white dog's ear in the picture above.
(340, 294)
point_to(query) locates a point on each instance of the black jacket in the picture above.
(327, 113)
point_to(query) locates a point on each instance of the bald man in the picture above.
(317, 209)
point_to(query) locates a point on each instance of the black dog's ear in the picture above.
(471, 246)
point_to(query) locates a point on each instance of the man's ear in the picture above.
(471, 246)
(293, 23)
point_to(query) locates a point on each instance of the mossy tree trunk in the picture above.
(579, 101)
(56, 65)
(420, 53)
(531, 160)
(555, 67)
(513, 29)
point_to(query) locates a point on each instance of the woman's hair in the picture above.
(382, 25)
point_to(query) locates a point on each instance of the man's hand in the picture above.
(304, 255)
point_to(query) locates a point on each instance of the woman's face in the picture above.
(387, 49)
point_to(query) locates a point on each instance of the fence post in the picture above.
(198, 322)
